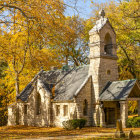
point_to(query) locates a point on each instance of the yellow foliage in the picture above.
(26, 46)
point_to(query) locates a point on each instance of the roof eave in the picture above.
(113, 100)
(63, 101)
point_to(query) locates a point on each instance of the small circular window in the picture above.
(108, 72)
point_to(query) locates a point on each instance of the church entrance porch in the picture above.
(115, 97)
(112, 112)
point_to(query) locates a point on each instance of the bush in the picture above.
(82, 123)
(129, 122)
(73, 124)
(67, 124)
(133, 122)
(136, 122)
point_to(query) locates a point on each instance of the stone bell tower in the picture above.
(103, 58)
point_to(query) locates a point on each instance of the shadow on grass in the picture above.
(20, 132)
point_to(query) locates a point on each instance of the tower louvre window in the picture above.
(108, 44)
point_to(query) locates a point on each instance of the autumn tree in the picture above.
(73, 41)
(3, 97)
(31, 35)
(27, 28)
(32, 26)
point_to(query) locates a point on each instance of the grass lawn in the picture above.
(19, 132)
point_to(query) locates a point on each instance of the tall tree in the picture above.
(73, 45)
(33, 25)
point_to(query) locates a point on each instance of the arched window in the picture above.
(85, 108)
(17, 116)
(25, 109)
(38, 104)
(108, 44)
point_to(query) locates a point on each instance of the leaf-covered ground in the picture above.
(22, 132)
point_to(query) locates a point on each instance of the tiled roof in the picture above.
(117, 90)
(99, 25)
(66, 83)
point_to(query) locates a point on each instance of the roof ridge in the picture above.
(70, 68)
(36, 76)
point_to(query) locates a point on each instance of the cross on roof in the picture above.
(102, 13)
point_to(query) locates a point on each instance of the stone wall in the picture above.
(48, 117)
(31, 118)
(75, 108)
(12, 115)
(42, 119)
(86, 93)
(57, 120)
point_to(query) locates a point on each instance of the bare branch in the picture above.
(131, 62)
(15, 7)
(9, 22)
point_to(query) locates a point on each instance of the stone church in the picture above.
(90, 91)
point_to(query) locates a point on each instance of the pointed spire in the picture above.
(102, 13)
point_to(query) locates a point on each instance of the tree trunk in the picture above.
(17, 84)
(131, 63)
(66, 59)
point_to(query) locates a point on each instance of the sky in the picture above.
(84, 7)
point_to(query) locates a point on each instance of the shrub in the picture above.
(81, 123)
(129, 122)
(73, 124)
(133, 122)
(136, 122)
(67, 124)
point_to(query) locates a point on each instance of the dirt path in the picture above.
(84, 136)
(78, 137)
(35, 133)
(75, 137)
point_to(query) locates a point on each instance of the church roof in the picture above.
(70, 85)
(66, 83)
(99, 25)
(117, 90)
